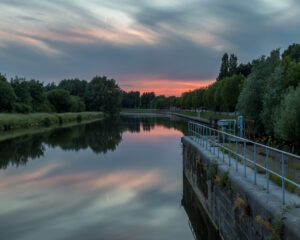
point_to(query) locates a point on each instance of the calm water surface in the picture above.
(112, 179)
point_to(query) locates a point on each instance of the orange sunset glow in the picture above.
(162, 86)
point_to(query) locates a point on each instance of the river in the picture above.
(112, 179)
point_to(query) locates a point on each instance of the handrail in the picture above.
(199, 131)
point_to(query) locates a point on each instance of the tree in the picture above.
(250, 102)
(273, 94)
(60, 99)
(293, 51)
(103, 95)
(146, 99)
(287, 125)
(130, 99)
(230, 92)
(39, 99)
(224, 67)
(232, 65)
(21, 89)
(75, 86)
(7, 96)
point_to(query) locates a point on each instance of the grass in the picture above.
(141, 110)
(206, 115)
(13, 120)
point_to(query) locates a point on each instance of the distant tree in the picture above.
(230, 92)
(50, 86)
(232, 65)
(2, 78)
(75, 86)
(244, 69)
(146, 99)
(293, 51)
(287, 125)
(77, 105)
(130, 99)
(103, 95)
(291, 72)
(250, 102)
(21, 89)
(273, 94)
(60, 99)
(7, 96)
(224, 70)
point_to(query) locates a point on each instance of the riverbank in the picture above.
(194, 115)
(10, 121)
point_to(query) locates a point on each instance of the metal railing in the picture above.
(217, 142)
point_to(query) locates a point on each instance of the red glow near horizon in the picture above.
(162, 86)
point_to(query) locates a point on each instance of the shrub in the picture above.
(287, 124)
(46, 122)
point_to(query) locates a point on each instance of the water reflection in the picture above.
(100, 136)
(104, 180)
(200, 223)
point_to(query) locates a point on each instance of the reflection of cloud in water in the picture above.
(131, 193)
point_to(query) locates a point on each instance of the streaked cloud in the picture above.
(172, 39)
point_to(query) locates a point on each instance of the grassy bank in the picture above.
(12, 121)
(206, 115)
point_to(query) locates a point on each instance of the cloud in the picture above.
(52, 40)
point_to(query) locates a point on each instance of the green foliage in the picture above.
(7, 96)
(21, 89)
(212, 170)
(293, 51)
(103, 95)
(46, 122)
(146, 99)
(230, 92)
(224, 67)
(75, 86)
(250, 102)
(287, 124)
(79, 118)
(271, 100)
(60, 99)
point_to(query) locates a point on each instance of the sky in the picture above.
(166, 46)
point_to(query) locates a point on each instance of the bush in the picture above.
(60, 99)
(79, 118)
(287, 125)
(7, 97)
(46, 122)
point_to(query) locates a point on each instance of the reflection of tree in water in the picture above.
(100, 136)
(17, 151)
(199, 222)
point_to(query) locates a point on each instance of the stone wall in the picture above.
(238, 208)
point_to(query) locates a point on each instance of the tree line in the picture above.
(70, 95)
(266, 90)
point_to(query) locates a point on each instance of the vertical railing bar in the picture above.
(283, 177)
(254, 163)
(218, 144)
(223, 145)
(214, 145)
(236, 154)
(229, 146)
(267, 177)
(245, 159)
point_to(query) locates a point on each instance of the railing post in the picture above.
(223, 145)
(283, 177)
(218, 144)
(214, 140)
(229, 146)
(245, 159)
(236, 154)
(254, 163)
(210, 139)
(267, 163)
(206, 137)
